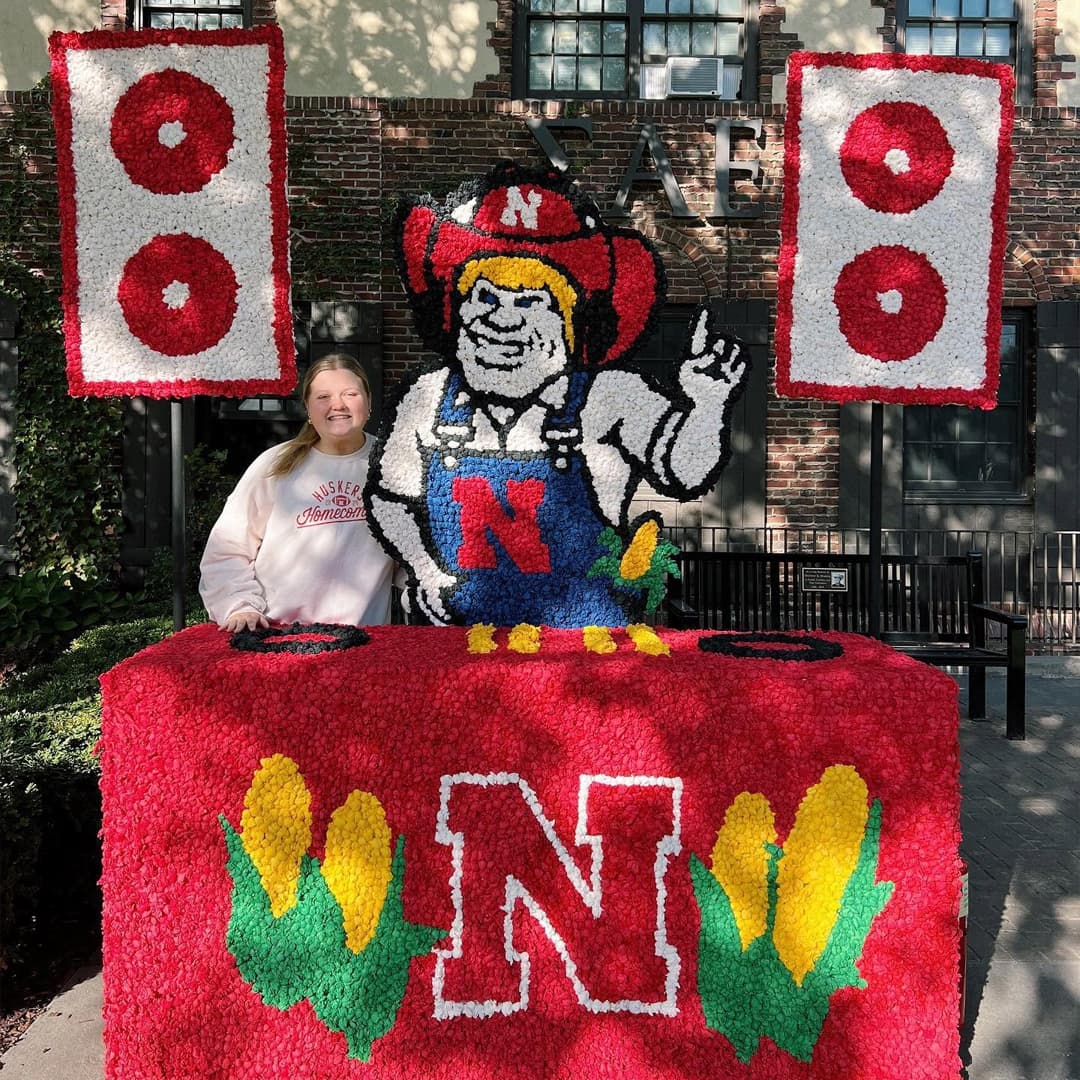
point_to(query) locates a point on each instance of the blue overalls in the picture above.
(569, 527)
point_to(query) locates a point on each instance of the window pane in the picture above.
(973, 9)
(159, 21)
(1001, 425)
(971, 40)
(565, 7)
(679, 7)
(916, 423)
(704, 39)
(944, 40)
(589, 38)
(541, 36)
(943, 423)
(972, 464)
(919, 9)
(540, 5)
(943, 463)
(918, 40)
(589, 74)
(652, 39)
(615, 37)
(1004, 464)
(997, 40)
(565, 73)
(730, 7)
(209, 22)
(727, 39)
(540, 73)
(916, 463)
(566, 37)
(678, 39)
(655, 7)
(229, 22)
(614, 74)
(1009, 386)
(617, 7)
(704, 7)
(1002, 9)
(653, 81)
(591, 6)
(945, 9)
(187, 22)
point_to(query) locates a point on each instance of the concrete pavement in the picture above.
(1021, 825)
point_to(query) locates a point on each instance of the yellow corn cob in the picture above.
(524, 638)
(637, 558)
(598, 639)
(741, 864)
(820, 856)
(276, 825)
(481, 638)
(646, 640)
(356, 866)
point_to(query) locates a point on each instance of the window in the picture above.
(951, 450)
(634, 49)
(193, 15)
(995, 30)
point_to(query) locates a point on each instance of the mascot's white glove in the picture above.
(427, 596)
(713, 367)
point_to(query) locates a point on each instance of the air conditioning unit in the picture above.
(695, 76)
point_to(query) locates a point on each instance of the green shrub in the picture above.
(42, 610)
(50, 807)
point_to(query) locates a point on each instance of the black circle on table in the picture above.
(275, 639)
(756, 646)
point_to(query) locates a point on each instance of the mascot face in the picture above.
(512, 340)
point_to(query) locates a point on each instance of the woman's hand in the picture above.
(247, 619)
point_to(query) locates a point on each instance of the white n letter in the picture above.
(605, 921)
(517, 207)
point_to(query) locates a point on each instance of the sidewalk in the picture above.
(1021, 824)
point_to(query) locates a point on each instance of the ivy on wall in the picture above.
(67, 451)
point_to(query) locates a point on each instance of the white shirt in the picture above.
(297, 547)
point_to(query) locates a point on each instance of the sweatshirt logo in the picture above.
(333, 502)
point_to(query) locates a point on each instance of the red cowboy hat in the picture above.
(514, 211)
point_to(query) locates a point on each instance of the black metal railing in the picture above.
(1029, 573)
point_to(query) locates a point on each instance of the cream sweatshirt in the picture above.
(298, 548)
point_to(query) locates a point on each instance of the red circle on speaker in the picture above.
(896, 156)
(863, 293)
(193, 119)
(202, 319)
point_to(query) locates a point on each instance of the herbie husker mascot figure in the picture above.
(505, 480)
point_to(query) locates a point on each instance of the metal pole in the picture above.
(179, 531)
(877, 439)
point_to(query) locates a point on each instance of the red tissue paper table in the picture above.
(616, 853)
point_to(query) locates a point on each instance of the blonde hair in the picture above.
(295, 450)
(519, 272)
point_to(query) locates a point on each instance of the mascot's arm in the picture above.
(397, 499)
(427, 581)
(696, 441)
(634, 430)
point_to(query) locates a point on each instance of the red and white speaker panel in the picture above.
(174, 220)
(896, 185)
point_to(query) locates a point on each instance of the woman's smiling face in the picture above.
(338, 408)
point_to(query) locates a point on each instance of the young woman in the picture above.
(292, 543)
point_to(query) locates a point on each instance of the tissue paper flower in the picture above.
(173, 213)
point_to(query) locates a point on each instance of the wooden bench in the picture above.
(931, 608)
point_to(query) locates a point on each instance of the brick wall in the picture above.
(352, 160)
